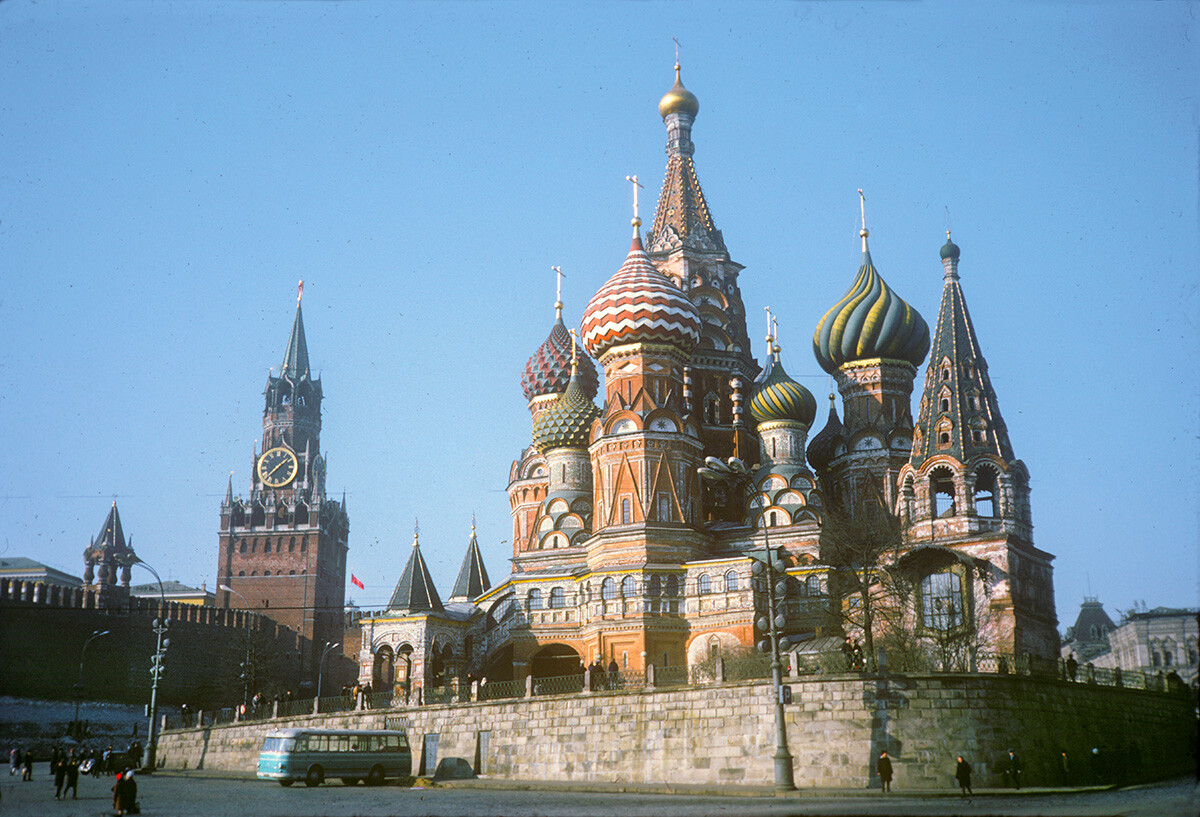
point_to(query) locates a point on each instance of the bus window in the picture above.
(392, 743)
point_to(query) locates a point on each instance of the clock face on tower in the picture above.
(277, 467)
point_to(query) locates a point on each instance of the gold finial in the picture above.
(472, 523)
(637, 220)
(558, 304)
(299, 292)
(416, 531)
(574, 354)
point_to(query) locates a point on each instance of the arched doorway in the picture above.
(403, 669)
(555, 661)
(383, 674)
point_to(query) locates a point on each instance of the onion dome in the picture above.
(549, 368)
(639, 305)
(678, 100)
(779, 398)
(870, 321)
(823, 447)
(949, 249)
(566, 423)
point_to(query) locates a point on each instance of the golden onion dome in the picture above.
(678, 99)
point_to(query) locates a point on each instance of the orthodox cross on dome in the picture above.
(775, 332)
(299, 292)
(862, 209)
(558, 302)
(770, 319)
(574, 353)
(637, 220)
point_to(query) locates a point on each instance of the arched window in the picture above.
(241, 574)
(942, 601)
(941, 486)
(655, 588)
(731, 580)
(985, 492)
(814, 585)
(703, 584)
(672, 588)
(628, 587)
(242, 546)
(267, 545)
(608, 589)
(292, 545)
(945, 404)
(535, 599)
(626, 515)
(557, 598)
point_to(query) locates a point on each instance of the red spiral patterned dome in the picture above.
(639, 305)
(549, 368)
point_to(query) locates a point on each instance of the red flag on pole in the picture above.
(354, 581)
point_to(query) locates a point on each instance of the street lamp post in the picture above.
(321, 663)
(246, 663)
(157, 665)
(736, 473)
(79, 685)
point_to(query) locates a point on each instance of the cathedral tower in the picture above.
(871, 341)
(283, 549)
(686, 246)
(963, 490)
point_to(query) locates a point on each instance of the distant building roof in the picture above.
(173, 591)
(22, 568)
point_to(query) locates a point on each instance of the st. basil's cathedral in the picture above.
(622, 554)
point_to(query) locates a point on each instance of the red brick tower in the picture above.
(283, 549)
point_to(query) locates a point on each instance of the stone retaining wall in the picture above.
(725, 733)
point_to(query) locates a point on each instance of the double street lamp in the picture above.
(246, 663)
(157, 663)
(329, 647)
(79, 684)
(737, 475)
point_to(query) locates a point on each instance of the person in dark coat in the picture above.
(72, 763)
(125, 793)
(962, 773)
(1072, 667)
(27, 766)
(1012, 769)
(883, 767)
(59, 766)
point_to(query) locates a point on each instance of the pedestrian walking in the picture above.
(14, 760)
(27, 765)
(1072, 667)
(72, 763)
(1012, 769)
(962, 773)
(58, 764)
(883, 768)
(124, 793)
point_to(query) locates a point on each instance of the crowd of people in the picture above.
(66, 766)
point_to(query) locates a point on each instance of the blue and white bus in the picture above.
(313, 755)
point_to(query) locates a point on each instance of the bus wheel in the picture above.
(315, 777)
(375, 776)
(285, 782)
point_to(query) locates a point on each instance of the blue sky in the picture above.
(170, 170)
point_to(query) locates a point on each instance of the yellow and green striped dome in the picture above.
(870, 321)
(779, 398)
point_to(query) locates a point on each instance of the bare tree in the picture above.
(862, 546)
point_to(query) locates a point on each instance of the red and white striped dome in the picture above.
(639, 305)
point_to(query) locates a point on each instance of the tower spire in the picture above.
(295, 358)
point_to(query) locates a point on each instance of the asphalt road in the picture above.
(188, 796)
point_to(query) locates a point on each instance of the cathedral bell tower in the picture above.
(283, 549)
